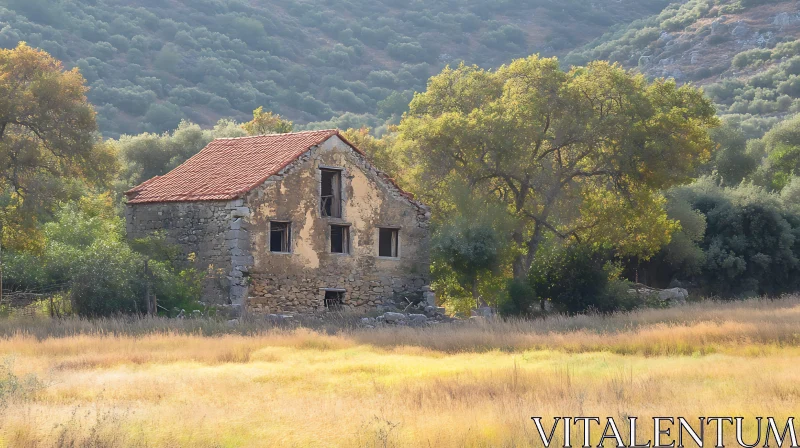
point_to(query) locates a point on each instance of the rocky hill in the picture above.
(152, 63)
(745, 53)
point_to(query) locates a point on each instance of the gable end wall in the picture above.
(296, 282)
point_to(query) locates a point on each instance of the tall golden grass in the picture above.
(157, 382)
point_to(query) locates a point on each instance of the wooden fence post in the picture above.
(147, 301)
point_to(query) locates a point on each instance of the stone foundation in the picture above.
(305, 294)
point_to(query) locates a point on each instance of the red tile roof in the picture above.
(228, 167)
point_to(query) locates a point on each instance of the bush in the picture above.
(408, 52)
(749, 246)
(106, 279)
(792, 66)
(162, 117)
(750, 57)
(790, 87)
(86, 256)
(578, 279)
(520, 300)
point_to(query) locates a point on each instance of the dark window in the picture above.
(340, 239)
(280, 236)
(388, 242)
(331, 193)
(334, 300)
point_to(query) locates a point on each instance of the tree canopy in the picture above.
(267, 123)
(47, 135)
(146, 155)
(559, 147)
(781, 146)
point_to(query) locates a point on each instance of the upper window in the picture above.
(280, 236)
(340, 239)
(388, 242)
(331, 193)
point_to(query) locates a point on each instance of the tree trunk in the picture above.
(522, 262)
(1, 253)
(147, 300)
(521, 267)
(475, 295)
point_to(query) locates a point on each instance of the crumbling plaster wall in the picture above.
(215, 231)
(296, 282)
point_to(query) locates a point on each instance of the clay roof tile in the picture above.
(228, 168)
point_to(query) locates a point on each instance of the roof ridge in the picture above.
(334, 131)
(232, 167)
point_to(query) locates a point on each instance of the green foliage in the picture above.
(672, 37)
(731, 160)
(750, 57)
(85, 254)
(577, 279)
(749, 245)
(147, 155)
(554, 152)
(683, 253)
(520, 299)
(781, 148)
(104, 279)
(48, 141)
(626, 44)
(394, 105)
(267, 123)
(470, 248)
(378, 150)
(772, 92)
(285, 55)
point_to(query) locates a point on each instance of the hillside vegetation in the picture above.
(151, 64)
(746, 54)
(602, 220)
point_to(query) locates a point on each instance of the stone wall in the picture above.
(215, 232)
(296, 282)
(230, 239)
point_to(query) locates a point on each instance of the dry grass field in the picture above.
(203, 384)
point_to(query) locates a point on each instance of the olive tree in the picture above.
(577, 154)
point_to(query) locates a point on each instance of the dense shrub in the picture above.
(577, 279)
(732, 162)
(780, 148)
(749, 244)
(750, 57)
(519, 300)
(147, 155)
(86, 256)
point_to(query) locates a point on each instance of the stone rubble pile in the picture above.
(430, 315)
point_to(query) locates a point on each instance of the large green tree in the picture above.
(267, 123)
(781, 146)
(47, 137)
(579, 154)
(146, 155)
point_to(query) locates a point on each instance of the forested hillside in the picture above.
(152, 63)
(746, 54)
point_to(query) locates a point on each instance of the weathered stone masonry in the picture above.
(230, 239)
(297, 281)
(212, 231)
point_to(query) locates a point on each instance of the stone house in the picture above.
(298, 222)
